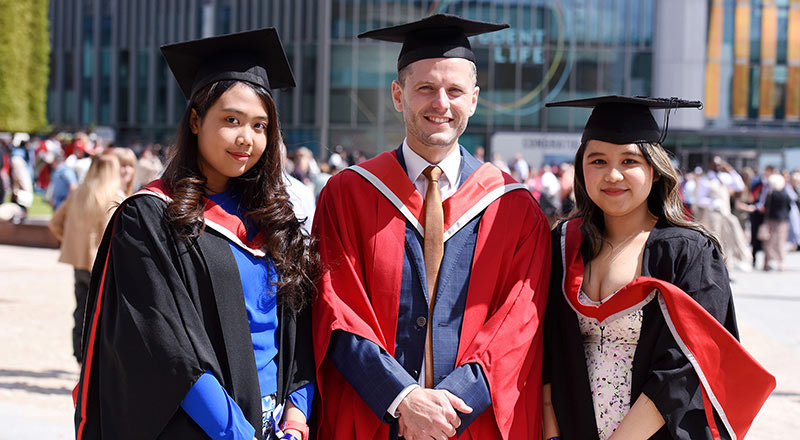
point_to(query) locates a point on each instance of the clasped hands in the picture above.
(429, 413)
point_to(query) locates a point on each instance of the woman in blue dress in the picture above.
(197, 322)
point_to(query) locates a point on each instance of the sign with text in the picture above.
(536, 148)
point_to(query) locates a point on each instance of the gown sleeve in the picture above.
(210, 406)
(698, 268)
(549, 327)
(150, 345)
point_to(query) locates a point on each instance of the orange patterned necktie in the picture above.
(433, 249)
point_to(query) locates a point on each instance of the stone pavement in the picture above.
(37, 371)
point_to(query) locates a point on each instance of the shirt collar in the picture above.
(415, 164)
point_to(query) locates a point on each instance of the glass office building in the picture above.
(107, 71)
(553, 50)
(752, 82)
(741, 57)
(753, 49)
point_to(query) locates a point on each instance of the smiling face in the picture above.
(231, 137)
(437, 97)
(618, 178)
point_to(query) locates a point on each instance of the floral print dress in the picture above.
(609, 351)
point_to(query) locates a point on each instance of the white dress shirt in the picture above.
(451, 171)
(302, 199)
(448, 184)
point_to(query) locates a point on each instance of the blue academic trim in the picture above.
(378, 377)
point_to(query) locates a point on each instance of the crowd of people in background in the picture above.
(750, 211)
(56, 165)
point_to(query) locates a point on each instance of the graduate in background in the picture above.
(640, 331)
(398, 352)
(198, 315)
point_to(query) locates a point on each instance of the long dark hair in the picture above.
(261, 193)
(664, 200)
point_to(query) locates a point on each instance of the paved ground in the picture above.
(37, 371)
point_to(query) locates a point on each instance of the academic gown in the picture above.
(162, 310)
(379, 377)
(362, 222)
(675, 260)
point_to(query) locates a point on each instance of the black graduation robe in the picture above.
(163, 310)
(680, 256)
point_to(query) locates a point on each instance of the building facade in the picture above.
(106, 69)
(752, 80)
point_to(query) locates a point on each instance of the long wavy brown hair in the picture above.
(664, 200)
(261, 193)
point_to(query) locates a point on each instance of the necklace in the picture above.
(651, 222)
(616, 249)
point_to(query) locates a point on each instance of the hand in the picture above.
(426, 413)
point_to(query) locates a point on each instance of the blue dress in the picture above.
(207, 403)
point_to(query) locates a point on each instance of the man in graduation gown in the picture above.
(427, 322)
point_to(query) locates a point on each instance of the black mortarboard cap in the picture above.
(253, 56)
(625, 119)
(437, 36)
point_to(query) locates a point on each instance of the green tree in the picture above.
(24, 64)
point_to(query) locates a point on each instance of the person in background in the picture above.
(302, 170)
(337, 160)
(497, 160)
(758, 194)
(796, 185)
(16, 210)
(479, 153)
(24, 147)
(301, 196)
(62, 181)
(321, 179)
(546, 189)
(713, 203)
(78, 223)
(742, 200)
(520, 169)
(127, 168)
(794, 212)
(777, 206)
(566, 179)
(79, 160)
(149, 166)
(198, 323)
(5, 168)
(640, 326)
(46, 153)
